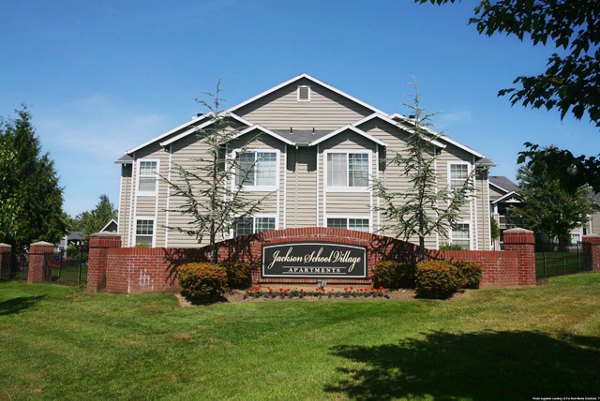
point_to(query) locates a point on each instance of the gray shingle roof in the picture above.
(504, 183)
(301, 137)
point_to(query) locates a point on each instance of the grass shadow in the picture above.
(479, 366)
(16, 305)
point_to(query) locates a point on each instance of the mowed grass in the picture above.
(58, 342)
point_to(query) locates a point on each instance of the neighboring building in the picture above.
(111, 227)
(317, 151)
(504, 193)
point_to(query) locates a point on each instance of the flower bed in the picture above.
(319, 293)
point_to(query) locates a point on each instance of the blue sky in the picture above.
(101, 77)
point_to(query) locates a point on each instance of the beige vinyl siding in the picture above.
(595, 223)
(281, 110)
(125, 203)
(483, 211)
(496, 193)
(301, 187)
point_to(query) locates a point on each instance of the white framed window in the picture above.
(144, 231)
(347, 171)
(458, 174)
(461, 235)
(575, 238)
(254, 224)
(258, 170)
(147, 177)
(349, 223)
(303, 93)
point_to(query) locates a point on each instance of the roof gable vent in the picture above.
(303, 93)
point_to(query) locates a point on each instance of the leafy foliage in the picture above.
(394, 275)
(202, 282)
(571, 171)
(428, 208)
(93, 221)
(30, 195)
(239, 275)
(572, 78)
(468, 273)
(435, 279)
(548, 207)
(208, 195)
(494, 229)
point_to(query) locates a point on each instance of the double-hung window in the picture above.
(144, 232)
(147, 177)
(461, 235)
(253, 224)
(458, 176)
(347, 170)
(257, 170)
(349, 223)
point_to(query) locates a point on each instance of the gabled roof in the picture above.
(503, 183)
(395, 124)
(266, 131)
(346, 128)
(516, 198)
(166, 134)
(111, 222)
(203, 125)
(410, 121)
(312, 79)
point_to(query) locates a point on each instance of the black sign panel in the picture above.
(314, 260)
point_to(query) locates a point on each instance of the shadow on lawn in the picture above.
(480, 366)
(16, 305)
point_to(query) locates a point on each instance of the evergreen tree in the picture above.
(93, 221)
(429, 208)
(30, 196)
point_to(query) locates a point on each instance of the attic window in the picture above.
(303, 93)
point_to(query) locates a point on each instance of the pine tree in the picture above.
(30, 196)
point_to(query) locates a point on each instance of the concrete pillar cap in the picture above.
(517, 230)
(42, 243)
(2, 244)
(105, 234)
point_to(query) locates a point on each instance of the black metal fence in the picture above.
(550, 261)
(67, 267)
(19, 265)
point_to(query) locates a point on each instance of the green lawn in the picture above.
(58, 342)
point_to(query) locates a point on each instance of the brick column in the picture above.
(523, 242)
(591, 251)
(99, 245)
(37, 263)
(5, 261)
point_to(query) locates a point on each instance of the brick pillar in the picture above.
(591, 251)
(5, 261)
(523, 242)
(37, 264)
(99, 245)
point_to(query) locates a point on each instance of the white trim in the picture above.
(263, 129)
(437, 185)
(111, 221)
(348, 188)
(254, 217)
(163, 135)
(133, 201)
(308, 77)
(204, 125)
(348, 217)
(259, 188)
(439, 136)
(139, 193)
(474, 216)
(449, 173)
(168, 214)
(119, 205)
(318, 172)
(499, 187)
(298, 93)
(351, 128)
(395, 124)
(508, 195)
(285, 181)
(153, 244)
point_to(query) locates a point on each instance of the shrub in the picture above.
(394, 275)
(435, 279)
(451, 247)
(202, 282)
(469, 274)
(239, 276)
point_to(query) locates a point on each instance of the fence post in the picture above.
(591, 252)
(523, 242)
(37, 263)
(99, 245)
(5, 266)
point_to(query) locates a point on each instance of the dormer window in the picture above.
(303, 93)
